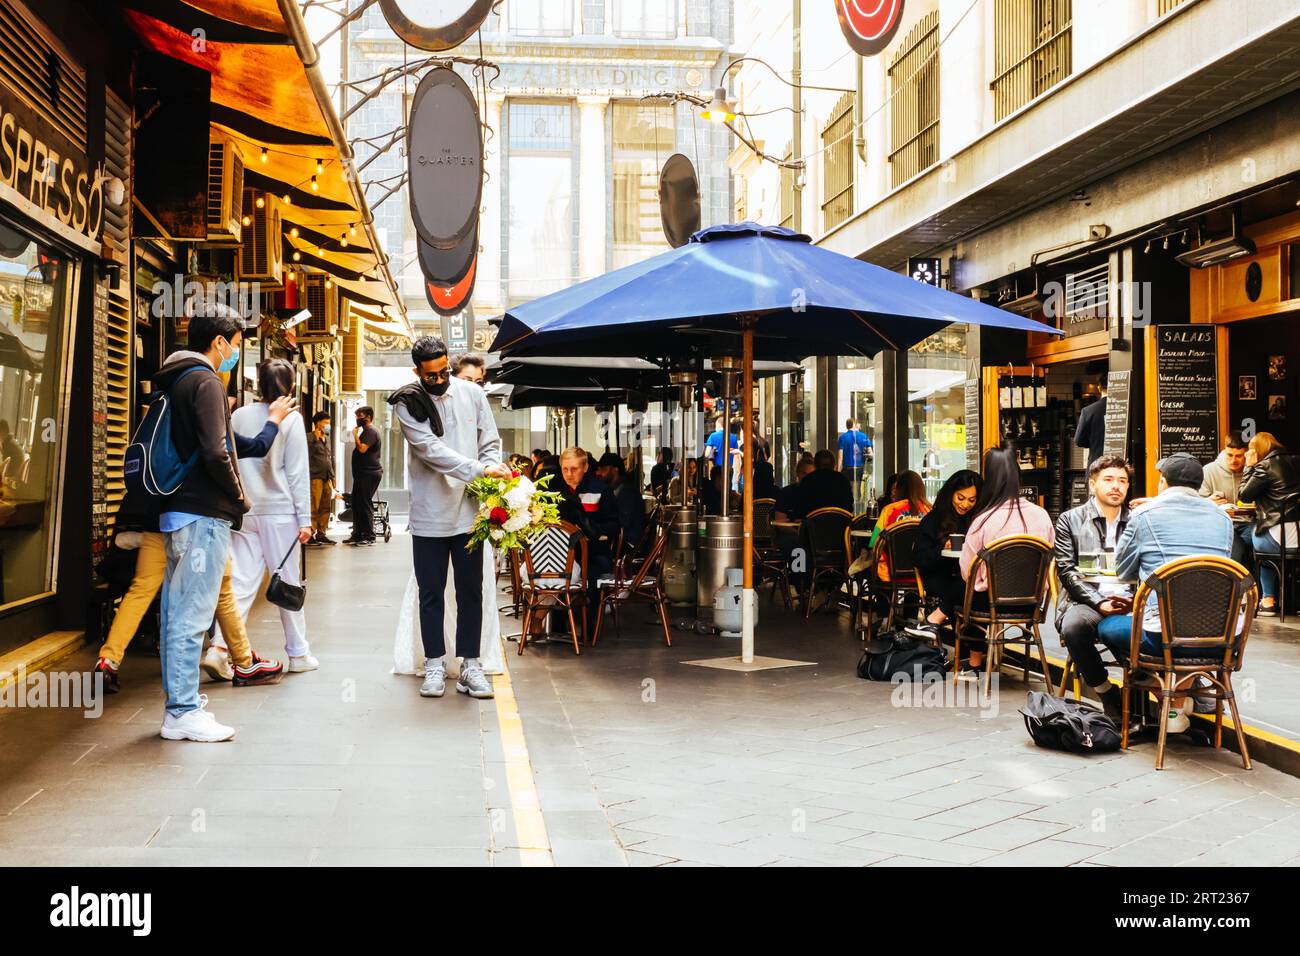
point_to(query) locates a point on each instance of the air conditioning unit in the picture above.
(323, 304)
(261, 251)
(225, 193)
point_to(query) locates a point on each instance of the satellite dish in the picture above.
(446, 267)
(679, 200)
(435, 24)
(444, 159)
(451, 299)
(869, 25)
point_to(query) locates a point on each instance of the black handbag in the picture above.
(291, 597)
(1059, 724)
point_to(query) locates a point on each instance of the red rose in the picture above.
(514, 474)
(499, 516)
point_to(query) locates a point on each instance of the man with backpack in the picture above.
(199, 515)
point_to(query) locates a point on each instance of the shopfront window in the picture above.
(858, 387)
(643, 139)
(35, 293)
(541, 201)
(936, 406)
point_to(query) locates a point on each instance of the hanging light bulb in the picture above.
(343, 241)
(261, 201)
(352, 230)
(247, 220)
(719, 110)
(313, 184)
(320, 167)
(320, 251)
(263, 154)
(286, 200)
(328, 283)
(297, 256)
(293, 231)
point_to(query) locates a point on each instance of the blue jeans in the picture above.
(196, 563)
(1264, 544)
(1116, 630)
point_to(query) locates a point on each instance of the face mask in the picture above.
(228, 364)
(436, 388)
(325, 430)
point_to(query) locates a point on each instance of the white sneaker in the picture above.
(197, 725)
(216, 663)
(305, 663)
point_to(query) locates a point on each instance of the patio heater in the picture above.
(721, 535)
(679, 558)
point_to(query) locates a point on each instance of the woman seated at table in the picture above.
(999, 512)
(911, 502)
(1272, 485)
(953, 509)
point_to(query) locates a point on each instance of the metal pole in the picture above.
(747, 540)
(725, 421)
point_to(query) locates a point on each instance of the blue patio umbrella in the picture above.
(743, 289)
(798, 299)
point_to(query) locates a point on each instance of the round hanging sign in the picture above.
(679, 200)
(435, 24)
(869, 25)
(446, 267)
(444, 159)
(448, 300)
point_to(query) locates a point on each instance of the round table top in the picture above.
(950, 553)
(860, 534)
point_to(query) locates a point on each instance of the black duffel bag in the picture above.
(896, 656)
(1059, 724)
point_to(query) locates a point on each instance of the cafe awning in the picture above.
(269, 99)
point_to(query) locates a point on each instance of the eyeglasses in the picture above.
(443, 376)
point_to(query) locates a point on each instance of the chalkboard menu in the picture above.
(973, 424)
(1187, 390)
(1116, 419)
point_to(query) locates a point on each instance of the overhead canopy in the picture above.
(600, 372)
(268, 99)
(799, 299)
(379, 322)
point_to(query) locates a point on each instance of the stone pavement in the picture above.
(621, 756)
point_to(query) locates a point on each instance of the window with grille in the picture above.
(837, 164)
(787, 191)
(643, 137)
(541, 18)
(540, 172)
(914, 102)
(651, 19)
(1031, 41)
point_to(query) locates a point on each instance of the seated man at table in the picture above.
(589, 503)
(1222, 485)
(1093, 528)
(787, 499)
(825, 487)
(1177, 523)
(630, 504)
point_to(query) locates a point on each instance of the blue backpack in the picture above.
(152, 465)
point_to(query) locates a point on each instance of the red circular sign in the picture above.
(869, 25)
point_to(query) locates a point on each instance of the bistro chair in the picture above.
(893, 550)
(825, 536)
(1207, 605)
(555, 576)
(1285, 563)
(1019, 569)
(776, 564)
(769, 563)
(645, 584)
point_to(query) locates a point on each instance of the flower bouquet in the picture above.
(511, 510)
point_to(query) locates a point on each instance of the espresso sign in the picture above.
(1116, 418)
(444, 156)
(1187, 390)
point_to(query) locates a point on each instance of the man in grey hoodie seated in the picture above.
(451, 439)
(1222, 484)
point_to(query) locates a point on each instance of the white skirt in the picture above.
(408, 647)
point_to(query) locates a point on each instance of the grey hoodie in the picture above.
(438, 469)
(1220, 481)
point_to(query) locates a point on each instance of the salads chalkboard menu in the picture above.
(1187, 390)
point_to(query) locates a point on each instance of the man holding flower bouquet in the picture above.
(451, 440)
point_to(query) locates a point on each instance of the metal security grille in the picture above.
(787, 192)
(117, 390)
(1087, 294)
(1031, 51)
(50, 83)
(914, 102)
(353, 357)
(117, 160)
(837, 164)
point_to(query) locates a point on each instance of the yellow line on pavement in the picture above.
(530, 827)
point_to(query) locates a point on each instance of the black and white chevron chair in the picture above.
(555, 578)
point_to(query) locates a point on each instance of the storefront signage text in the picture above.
(37, 162)
(1187, 391)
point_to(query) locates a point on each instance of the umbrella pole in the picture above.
(747, 508)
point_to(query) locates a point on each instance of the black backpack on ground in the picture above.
(895, 655)
(1059, 724)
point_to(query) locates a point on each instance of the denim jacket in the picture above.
(1175, 524)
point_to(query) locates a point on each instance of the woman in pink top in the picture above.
(999, 512)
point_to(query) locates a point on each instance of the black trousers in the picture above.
(364, 486)
(1078, 629)
(432, 556)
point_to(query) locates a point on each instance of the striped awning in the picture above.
(273, 106)
(379, 322)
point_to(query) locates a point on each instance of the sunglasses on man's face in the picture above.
(435, 377)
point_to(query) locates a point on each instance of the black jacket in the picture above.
(824, 488)
(1080, 529)
(927, 549)
(1091, 433)
(631, 512)
(139, 511)
(201, 423)
(1273, 486)
(603, 522)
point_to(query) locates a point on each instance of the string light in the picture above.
(286, 200)
(320, 167)
(264, 155)
(261, 201)
(328, 283)
(314, 187)
(247, 220)
(297, 256)
(343, 241)
(294, 232)
(352, 230)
